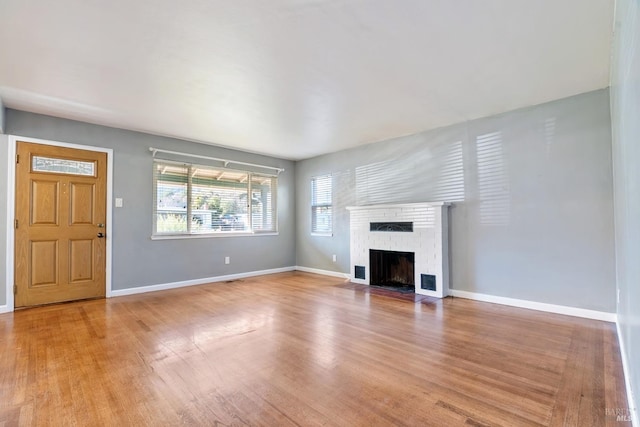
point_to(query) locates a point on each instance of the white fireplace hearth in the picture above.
(418, 228)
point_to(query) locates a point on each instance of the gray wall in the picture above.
(625, 109)
(139, 261)
(533, 214)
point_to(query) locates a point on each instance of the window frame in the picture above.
(189, 234)
(315, 205)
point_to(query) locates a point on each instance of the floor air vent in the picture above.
(428, 282)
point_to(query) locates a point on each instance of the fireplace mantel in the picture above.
(427, 237)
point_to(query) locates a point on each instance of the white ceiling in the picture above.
(297, 78)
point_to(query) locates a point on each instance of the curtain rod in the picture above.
(225, 161)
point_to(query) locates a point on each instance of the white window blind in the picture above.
(263, 206)
(197, 199)
(321, 205)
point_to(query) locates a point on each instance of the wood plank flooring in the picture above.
(304, 350)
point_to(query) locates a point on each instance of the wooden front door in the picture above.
(60, 243)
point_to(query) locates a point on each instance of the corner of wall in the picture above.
(2, 117)
(626, 368)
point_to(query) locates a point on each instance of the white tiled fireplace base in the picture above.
(429, 240)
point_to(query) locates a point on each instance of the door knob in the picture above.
(100, 235)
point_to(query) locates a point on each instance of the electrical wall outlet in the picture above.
(227, 260)
(335, 258)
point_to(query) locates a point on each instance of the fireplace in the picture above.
(392, 269)
(401, 246)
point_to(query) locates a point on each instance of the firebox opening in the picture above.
(391, 269)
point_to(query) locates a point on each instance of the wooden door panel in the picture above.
(60, 209)
(44, 263)
(80, 260)
(44, 202)
(82, 203)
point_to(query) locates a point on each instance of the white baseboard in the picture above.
(323, 272)
(627, 380)
(5, 309)
(184, 283)
(540, 306)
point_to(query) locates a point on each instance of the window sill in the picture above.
(322, 234)
(209, 235)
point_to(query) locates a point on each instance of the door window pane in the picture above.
(66, 166)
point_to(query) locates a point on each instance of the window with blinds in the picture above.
(321, 205)
(197, 199)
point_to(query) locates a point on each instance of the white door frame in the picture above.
(11, 211)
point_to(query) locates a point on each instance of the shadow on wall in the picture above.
(437, 173)
(493, 180)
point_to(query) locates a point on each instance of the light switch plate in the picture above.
(118, 202)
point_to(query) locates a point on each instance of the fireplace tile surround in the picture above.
(429, 240)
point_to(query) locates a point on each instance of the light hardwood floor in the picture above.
(302, 349)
